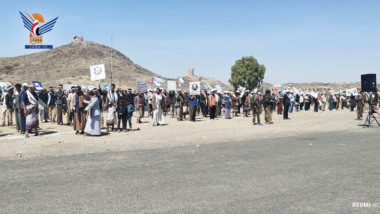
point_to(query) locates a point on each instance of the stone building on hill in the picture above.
(190, 72)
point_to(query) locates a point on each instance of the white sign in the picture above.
(97, 72)
(172, 85)
(354, 91)
(348, 92)
(195, 88)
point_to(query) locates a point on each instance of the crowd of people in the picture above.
(90, 111)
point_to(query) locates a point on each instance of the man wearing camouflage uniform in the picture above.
(255, 106)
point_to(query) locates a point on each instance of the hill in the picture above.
(69, 64)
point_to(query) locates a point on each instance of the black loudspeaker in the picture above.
(369, 83)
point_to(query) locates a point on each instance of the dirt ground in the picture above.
(61, 140)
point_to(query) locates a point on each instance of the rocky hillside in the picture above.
(70, 64)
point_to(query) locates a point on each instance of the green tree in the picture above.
(247, 72)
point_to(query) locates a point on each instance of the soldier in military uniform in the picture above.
(360, 104)
(255, 105)
(267, 101)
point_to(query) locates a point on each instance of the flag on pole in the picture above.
(241, 90)
(38, 85)
(157, 81)
(181, 82)
(206, 85)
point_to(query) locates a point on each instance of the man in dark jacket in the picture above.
(267, 101)
(9, 104)
(51, 105)
(286, 104)
(352, 101)
(44, 113)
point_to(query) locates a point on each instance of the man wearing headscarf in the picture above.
(65, 109)
(59, 94)
(51, 105)
(352, 102)
(93, 127)
(9, 104)
(360, 104)
(235, 104)
(268, 107)
(193, 103)
(71, 104)
(30, 105)
(79, 114)
(203, 102)
(172, 103)
(17, 106)
(23, 117)
(245, 103)
(3, 109)
(212, 104)
(139, 105)
(158, 104)
(324, 101)
(179, 105)
(110, 97)
(279, 103)
(227, 105)
(255, 108)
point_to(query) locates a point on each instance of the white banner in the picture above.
(195, 88)
(97, 72)
(354, 91)
(172, 85)
(348, 92)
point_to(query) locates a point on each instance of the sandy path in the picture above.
(173, 134)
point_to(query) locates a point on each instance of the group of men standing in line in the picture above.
(90, 111)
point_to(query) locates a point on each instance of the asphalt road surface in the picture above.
(321, 173)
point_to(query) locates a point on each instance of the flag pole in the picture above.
(111, 57)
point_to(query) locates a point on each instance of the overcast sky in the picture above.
(297, 41)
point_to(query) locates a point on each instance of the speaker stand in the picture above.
(369, 120)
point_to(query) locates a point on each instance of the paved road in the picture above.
(304, 174)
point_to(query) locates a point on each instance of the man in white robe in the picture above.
(158, 103)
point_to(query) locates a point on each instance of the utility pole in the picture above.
(111, 58)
